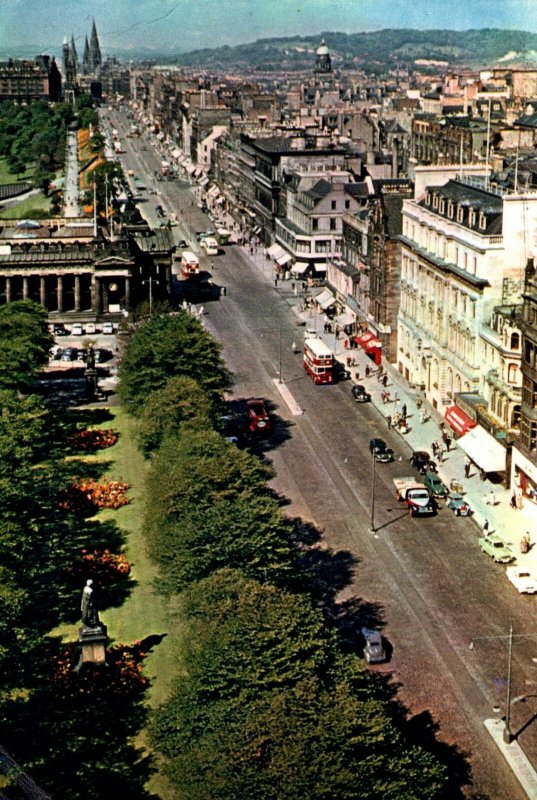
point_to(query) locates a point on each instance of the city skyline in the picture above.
(174, 25)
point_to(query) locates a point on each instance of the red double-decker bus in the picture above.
(318, 361)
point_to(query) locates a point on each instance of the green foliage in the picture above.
(166, 347)
(24, 343)
(33, 134)
(268, 709)
(180, 403)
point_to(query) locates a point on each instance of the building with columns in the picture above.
(464, 250)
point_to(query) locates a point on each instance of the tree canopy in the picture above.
(165, 347)
(25, 343)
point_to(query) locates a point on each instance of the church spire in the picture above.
(86, 57)
(74, 54)
(96, 58)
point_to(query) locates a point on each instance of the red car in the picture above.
(257, 416)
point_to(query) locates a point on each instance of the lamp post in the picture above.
(280, 356)
(150, 282)
(373, 476)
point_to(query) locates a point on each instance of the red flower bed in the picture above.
(92, 440)
(88, 493)
(103, 565)
(123, 674)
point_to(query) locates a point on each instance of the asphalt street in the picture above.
(423, 581)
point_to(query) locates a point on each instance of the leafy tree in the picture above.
(180, 403)
(24, 343)
(247, 533)
(165, 347)
(267, 708)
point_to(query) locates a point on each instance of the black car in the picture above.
(421, 460)
(60, 329)
(381, 451)
(182, 245)
(359, 393)
(69, 354)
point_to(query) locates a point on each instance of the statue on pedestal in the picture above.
(90, 616)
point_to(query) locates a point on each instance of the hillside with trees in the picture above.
(370, 50)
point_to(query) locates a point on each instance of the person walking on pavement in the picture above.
(486, 527)
(385, 381)
(467, 468)
(403, 411)
(423, 415)
(439, 455)
(389, 421)
(512, 501)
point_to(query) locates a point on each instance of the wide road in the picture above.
(424, 581)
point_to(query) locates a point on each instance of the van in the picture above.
(108, 328)
(77, 329)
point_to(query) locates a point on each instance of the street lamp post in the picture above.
(373, 477)
(507, 734)
(280, 356)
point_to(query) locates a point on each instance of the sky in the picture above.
(34, 26)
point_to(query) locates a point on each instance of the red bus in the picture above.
(318, 361)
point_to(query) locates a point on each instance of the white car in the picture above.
(522, 579)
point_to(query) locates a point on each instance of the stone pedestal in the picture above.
(90, 375)
(93, 641)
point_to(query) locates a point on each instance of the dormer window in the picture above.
(428, 199)
(450, 210)
(442, 206)
(435, 201)
(482, 221)
(460, 214)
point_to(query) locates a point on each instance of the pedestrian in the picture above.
(388, 397)
(251, 250)
(486, 527)
(423, 415)
(224, 290)
(447, 442)
(389, 421)
(367, 371)
(385, 381)
(491, 498)
(519, 499)
(467, 468)
(357, 376)
(403, 426)
(403, 411)
(293, 286)
(275, 281)
(380, 371)
(294, 348)
(482, 475)
(383, 397)
(434, 448)
(346, 344)
(349, 361)
(440, 455)
(512, 501)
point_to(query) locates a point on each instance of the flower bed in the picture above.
(90, 494)
(101, 565)
(124, 674)
(92, 440)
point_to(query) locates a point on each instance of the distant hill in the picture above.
(373, 50)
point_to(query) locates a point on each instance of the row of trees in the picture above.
(267, 703)
(56, 723)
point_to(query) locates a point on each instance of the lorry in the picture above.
(414, 494)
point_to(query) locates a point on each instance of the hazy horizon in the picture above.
(182, 25)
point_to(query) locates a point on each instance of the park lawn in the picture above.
(10, 177)
(144, 612)
(24, 209)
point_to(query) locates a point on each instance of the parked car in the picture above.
(257, 416)
(91, 327)
(360, 394)
(182, 245)
(420, 460)
(374, 651)
(434, 485)
(495, 547)
(522, 579)
(69, 354)
(381, 451)
(108, 328)
(77, 329)
(459, 505)
(59, 329)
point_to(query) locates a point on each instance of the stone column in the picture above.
(77, 292)
(24, 287)
(8, 289)
(59, 292)
(42, 291)
(127, 293)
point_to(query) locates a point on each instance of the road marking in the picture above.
(290, 401)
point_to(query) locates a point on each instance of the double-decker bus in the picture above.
(185, 264)
(318, 361)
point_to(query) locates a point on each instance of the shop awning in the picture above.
(204, 181)
(284, 259)
(319, 268)
(299, 267)
(198, 171)
(325, 299)
(459, 420)
(372, 346)
(275, 251)
(190, 168)
(345, 319)
(213, 191)
(483, 449)
(176, 153)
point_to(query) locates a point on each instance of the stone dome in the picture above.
(322, 50)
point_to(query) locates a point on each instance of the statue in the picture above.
(90, 357)
(90, 617)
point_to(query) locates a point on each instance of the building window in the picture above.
(347, 204)
(315, 224)
(333, 205)
(512, 372)
(515, 341)
(333, 223)
(323, 246)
